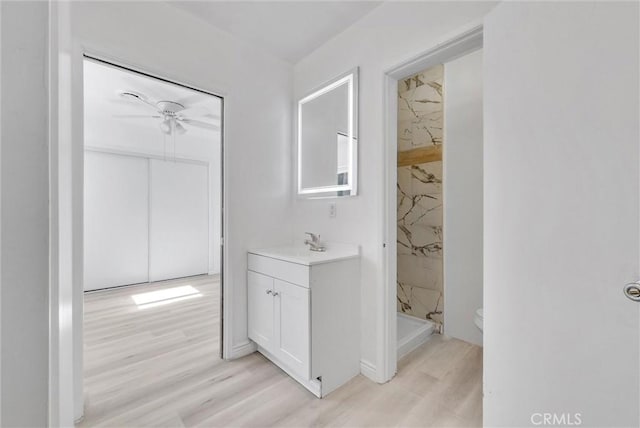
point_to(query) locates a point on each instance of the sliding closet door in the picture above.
(179, 227)
(115, 220)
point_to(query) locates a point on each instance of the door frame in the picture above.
(66, 223)
(465, 41)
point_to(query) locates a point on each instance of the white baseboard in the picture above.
(242, 349)
(369, 370)
(213, 272)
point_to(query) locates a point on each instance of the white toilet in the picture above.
(478, 319)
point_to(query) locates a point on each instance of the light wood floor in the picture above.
(159, 366)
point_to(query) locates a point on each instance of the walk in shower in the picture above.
(419, 187)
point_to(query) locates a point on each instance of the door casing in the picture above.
(467, 41)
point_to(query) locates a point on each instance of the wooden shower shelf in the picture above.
(420, 155)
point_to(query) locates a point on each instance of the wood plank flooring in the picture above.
(158, 366)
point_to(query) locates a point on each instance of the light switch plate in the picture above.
(332, 209)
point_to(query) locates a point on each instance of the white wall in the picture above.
(561, 210)
(24, 214)
(0, 218)
(389, 35)
(257, 132)
(462, 169)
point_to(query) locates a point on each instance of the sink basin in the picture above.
(304, 256)
(291, 251)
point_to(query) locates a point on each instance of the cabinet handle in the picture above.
(275, 293)
(269, 291)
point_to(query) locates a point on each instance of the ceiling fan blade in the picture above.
(136, 116)
(197, 111)
(138, 97)
(199, 124)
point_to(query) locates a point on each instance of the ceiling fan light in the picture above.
(180, 129)
(165, 127)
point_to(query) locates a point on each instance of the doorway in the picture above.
(423, 301)
(152, 233)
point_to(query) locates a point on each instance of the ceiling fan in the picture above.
(173, 114)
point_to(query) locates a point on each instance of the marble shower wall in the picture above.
(420, 124)
(420, 109)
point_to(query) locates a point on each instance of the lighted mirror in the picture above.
(328, 139)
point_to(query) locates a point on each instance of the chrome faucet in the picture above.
(314, 242)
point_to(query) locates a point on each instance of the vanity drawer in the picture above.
(286, 271)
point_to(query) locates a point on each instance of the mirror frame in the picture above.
(351, 79)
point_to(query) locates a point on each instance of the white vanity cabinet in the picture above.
(279, 320)
(304, 314)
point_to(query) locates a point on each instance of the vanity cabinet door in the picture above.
(292, 326)
(260, 290)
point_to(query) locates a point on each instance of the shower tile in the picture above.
(420, 302)
(420, 109)
(427, 178)
(420, 269)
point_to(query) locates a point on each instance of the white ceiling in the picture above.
(288, 29)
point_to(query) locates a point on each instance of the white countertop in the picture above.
(303, 255)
